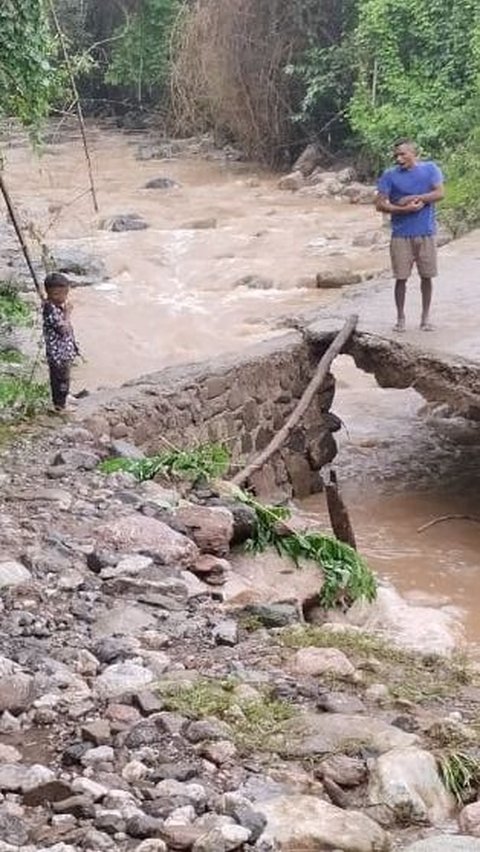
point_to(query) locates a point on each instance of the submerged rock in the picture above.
(124, 222)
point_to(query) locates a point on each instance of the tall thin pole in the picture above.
(78, 105)
(19, 233)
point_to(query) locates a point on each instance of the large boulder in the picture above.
(309, 824)
(211, 527)
(81, 267)
(308, 160)
(136, 532)
(321, 733)
(407, 780)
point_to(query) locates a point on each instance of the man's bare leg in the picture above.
(400, 295)
(426, 287)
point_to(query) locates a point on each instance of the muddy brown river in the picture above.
(173, 296)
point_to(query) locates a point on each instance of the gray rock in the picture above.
(12, 776)
(242, 810)
(99, 754)
(319, 661)
(79, 266)
(143, 826)
(162, 183)
(110, 649)
(219, 752)
(340, 702)
(125, 450)
(345, 771)
(129, 565)
(222, 838)
(310, 733)
(144, 734)
(97, 732)
(407, 779)
(51, 791)
(122, 678)
(307, 822)
(13, 574)
(194, 793)
(207, 729)
(110, 821)
(80, 807)
(124, 222)
(136, 532)
(123, 620)
(273, 615)
(152, 845)
(77, 459)
(17, 692)
(12, 828)
(226, 633)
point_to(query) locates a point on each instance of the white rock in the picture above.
(122, 678)
(182, 816)
(318, 661)
(308, 823)
(86, 663)
(138, 532)
(9, 754)
(194, 792)
(36, 776)
(408, 779)
(12, 776)
(223, 836)
(469, 820)
(8, 667)
(153, 845)
(128, 566)
(13, 574)
(85, 786)
(157, 661)
(100, 754)
(134, 771)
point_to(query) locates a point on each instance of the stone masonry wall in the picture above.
(240, 400)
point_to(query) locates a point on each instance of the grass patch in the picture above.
(460, 772)
(21, 397)
(12, 356)
(252, 723)
(347, 577)
(13, 309)
(207, 461)
(410, 676)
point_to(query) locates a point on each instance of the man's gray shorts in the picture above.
(406, 252)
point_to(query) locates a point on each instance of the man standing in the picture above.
(409, 192)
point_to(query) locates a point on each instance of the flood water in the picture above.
(172, 297)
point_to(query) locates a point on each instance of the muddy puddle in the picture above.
(173, 296)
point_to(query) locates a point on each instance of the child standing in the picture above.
(60, 344)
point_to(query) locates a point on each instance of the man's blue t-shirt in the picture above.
(397, 182)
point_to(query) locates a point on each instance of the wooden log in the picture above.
(339, 517)
(304, 403)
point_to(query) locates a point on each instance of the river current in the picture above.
(173, 295)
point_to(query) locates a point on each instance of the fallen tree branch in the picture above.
(304, 403)
(443, 518)
(18, 230)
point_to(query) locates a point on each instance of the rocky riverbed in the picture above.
(145, 707)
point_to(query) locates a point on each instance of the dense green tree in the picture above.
(29, 82)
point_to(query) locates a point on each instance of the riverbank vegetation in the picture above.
(350, 75)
